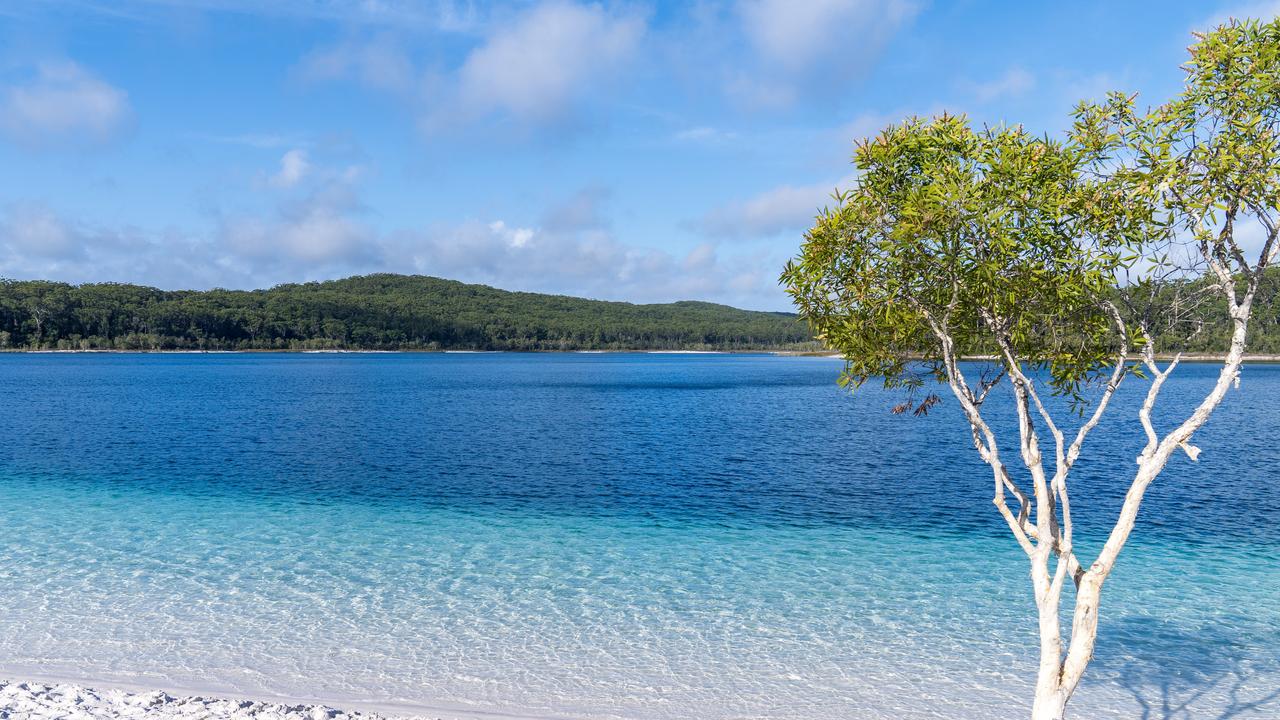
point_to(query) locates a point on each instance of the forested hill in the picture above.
(383, 312)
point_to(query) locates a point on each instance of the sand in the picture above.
(61, 701)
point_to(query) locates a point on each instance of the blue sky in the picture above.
(619, 150)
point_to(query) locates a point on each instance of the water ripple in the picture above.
(604, 536)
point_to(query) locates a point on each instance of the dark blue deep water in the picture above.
(602, 535)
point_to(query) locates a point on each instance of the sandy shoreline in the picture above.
(50, 697)
(49, 701)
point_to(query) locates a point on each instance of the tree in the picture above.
(1057, 258)
(46, 303)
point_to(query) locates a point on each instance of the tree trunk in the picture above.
(1050, 705)
(1051, 696)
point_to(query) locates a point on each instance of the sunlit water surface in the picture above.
(656, 537)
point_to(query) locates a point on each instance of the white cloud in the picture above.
(590, 263)
(1014, 82)
(317, 238)
(538, 67)
(805, 47)
(787, 208)
(298, 169)
(319, 231)
(294, 166)
(798, 35)
(33, 230)
(62, 102)
(37, 242)
(318, 234)
(323, 236)
(515, 237)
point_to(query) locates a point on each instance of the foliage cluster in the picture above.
(996, 239)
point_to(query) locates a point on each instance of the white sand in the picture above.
(60, 701)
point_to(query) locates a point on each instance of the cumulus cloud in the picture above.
(539, 66)
(318, 237)
(312, 240)
(536, 68)
(323, 235)
(574, 252)
(1014, 82)
(33, 230)
(294, 166)
(313, 234)
(38, 242)
(588, 263)
(799, 35)
(808, 46)
(515, 237)
(318, 231)
(786, 208)
(312, 228)
(62, 103)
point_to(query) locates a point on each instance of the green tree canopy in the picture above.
(992, 239)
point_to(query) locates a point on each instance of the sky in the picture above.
(639, 151)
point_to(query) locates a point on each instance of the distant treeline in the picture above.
(413, 312)
(376, 312)
(1191, 317)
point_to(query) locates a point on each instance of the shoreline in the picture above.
(39, 697)
(41, 700)
(1161, 357)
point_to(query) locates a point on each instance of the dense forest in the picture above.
(1191, 316)
(376, 312)
(413, 312)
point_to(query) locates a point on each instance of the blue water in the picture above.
(600, 536)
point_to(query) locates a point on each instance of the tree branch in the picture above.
(1117, 375)
(984, 440)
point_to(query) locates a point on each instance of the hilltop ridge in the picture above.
(374, 312)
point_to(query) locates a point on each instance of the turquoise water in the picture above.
(598, 536)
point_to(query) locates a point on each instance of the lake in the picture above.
(644, 536)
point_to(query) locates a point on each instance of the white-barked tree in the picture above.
(1058, 258)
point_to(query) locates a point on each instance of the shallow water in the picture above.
(604, 536)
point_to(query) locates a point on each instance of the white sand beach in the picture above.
(63, 701)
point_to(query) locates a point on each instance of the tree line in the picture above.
(403, 312)
(373, 312)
